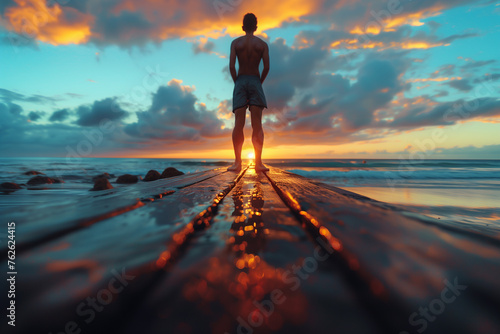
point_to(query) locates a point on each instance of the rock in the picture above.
(170, 172)
(103, 175)
(33, 172)
(101, 184)
(152, 175)
(43, 180)
(8, 187)
(127, 178)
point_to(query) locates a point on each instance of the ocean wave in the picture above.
(202, 163)
(346, 163)
(397, 174)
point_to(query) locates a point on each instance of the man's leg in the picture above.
(257, 136)
(238, 136)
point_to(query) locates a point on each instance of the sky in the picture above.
(397, 79)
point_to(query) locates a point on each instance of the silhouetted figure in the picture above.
(248, 92)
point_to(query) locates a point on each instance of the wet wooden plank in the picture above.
(83, 262)
(41, 223)
(405, 264)
(254, 249)
(184, 258)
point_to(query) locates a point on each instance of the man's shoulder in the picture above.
(261, 44)
(260, 40)
(237, 39)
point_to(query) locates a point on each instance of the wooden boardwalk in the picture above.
(225, 252)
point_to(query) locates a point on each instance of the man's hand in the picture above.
(232, 62)
(265, 59)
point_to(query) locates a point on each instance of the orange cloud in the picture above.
(354, 43)
(434, 79)
(385, 21)
(49, 24)
(156, 20)
(413, 19)
(418, 45)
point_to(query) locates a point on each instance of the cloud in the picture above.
(200, 47)
(452, 38)
(395, 38)
(462, 85)
(291, 70)
(175, 117)
(124, 27)
(314, 94)
(10, 114)
(377, 84)
(488, 77)
(333, 108)
(476, 64)
(106, 109)
(137, 22)
(446, 113)
(433, 25)
(59, 115)
(53, 24)
(379, 15)
(446, 70)
(10, 96)
(35, 115)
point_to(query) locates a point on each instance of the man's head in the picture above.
(249, 23)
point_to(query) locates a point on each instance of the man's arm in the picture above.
(265, 59)
(232, 61)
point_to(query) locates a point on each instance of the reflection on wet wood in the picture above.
(43, 223)
(248, 255)
(248, 252)
(404, 262)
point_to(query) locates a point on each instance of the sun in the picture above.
(251, 155)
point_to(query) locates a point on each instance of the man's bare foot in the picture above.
(236, 166)
(261, 168)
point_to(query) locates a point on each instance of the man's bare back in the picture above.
(249, 50)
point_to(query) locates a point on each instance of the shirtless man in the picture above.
(248, 89)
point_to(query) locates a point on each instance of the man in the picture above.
(248, 92)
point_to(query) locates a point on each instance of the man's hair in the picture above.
(249, 22)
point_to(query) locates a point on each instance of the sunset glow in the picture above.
(348, 78)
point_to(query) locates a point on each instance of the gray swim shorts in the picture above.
(248, 91)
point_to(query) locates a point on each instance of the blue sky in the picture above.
(113, 60)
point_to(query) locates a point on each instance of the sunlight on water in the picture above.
(472, 198)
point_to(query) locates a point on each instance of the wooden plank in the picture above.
(386, 266)
(81, 263)
(41, 223)
(254, 246)
(406, 265)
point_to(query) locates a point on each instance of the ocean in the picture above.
(455, 191)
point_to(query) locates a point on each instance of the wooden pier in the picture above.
(245, 252)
